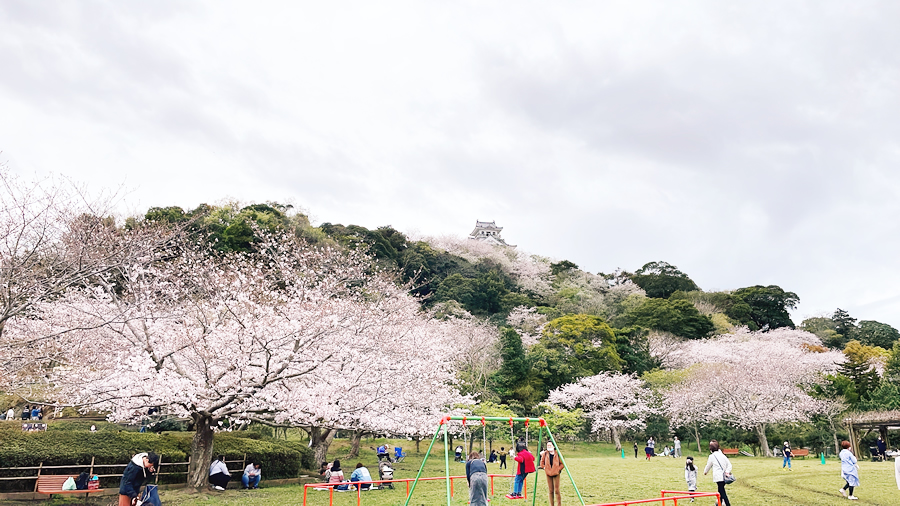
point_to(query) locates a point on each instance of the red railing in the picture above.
(662, 499)
(330, 486)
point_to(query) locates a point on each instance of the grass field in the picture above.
(601, 475)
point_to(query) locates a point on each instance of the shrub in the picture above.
(55, 447)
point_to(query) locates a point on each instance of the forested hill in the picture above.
(561, 322)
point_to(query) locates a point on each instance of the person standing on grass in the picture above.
(552, 465)
(502, 458)
(677, 447)
(690, 475)
(849, 471)
(786, 451)
(635, 449)
(721, 468)
(477, 478)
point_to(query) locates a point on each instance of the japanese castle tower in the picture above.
(489, 232)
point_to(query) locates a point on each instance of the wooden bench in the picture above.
(730, 451)
(799, 453)
(51, 484)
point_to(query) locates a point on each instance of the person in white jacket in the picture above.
(218, 474)
(720, 466)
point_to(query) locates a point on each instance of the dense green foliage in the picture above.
(679, 317)
(661, 279)
(838, 330)
(768, 306)
(573, 347)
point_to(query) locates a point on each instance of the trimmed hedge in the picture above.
(279, 459)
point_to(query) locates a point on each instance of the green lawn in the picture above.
(601, 475)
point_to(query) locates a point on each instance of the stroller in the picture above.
(386, 472)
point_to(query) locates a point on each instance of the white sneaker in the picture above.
(842, 492)
(853, 498)
(218, 488)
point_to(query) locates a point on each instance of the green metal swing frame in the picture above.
(443, 427)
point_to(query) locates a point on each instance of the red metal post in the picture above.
(305, 489)
(331, 496)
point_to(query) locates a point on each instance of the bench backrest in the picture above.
(52, 482)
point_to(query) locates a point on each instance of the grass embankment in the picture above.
(601, 475)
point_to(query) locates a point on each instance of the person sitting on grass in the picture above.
(218, 474)
(252, 475)
(337, 475)
(361, 473)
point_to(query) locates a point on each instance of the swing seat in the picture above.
(510, 496)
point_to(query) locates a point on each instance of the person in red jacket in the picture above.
(525, 466)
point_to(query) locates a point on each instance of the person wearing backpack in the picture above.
(141, 467)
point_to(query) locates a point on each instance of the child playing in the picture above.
(690, 475)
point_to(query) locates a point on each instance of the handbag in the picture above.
(728, 477)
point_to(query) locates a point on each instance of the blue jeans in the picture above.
(518, 483)
(787, 462)
(250, 481)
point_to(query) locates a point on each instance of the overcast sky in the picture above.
(746, 143)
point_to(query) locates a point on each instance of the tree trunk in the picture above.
(763, 442)
(201, 452)
(319, 441)
(354, 443)
(697, 437)
(418, 441)
(615, 438)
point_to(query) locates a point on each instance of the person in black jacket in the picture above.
(141, 467)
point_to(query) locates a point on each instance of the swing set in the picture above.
(444, 426)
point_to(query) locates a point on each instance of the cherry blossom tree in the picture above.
(528, 323)
(401, 384)
(287, 336)
(749, 379)
(612, 401)
(54, 236)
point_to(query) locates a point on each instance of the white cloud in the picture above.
(745, 143)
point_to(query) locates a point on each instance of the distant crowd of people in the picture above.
(33, 413)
